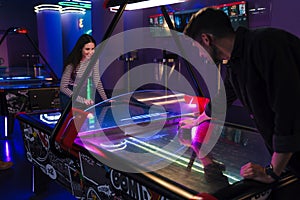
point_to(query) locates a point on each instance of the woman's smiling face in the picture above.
(88, 50)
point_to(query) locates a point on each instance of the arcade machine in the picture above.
(132, 146)
(26, 88)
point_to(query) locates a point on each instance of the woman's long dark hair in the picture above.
(75, 56)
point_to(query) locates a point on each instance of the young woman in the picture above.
(74, 67)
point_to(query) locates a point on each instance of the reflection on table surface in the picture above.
(135, 133)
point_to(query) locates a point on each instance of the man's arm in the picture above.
(280, 161)
(278, 66)
(258, 172)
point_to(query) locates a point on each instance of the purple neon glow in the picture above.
(7, 152)
(32, 178)
(5, 127)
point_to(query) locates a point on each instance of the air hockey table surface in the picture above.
(135, 148)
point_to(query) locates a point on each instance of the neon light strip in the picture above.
(117, 149)
(7, 151)
(76, 4)
(165, 156)
(113, 9)
(33, 181)
(168, 102)
(72, 10)
(184, 162)
(161, 97)
(114, 145)
(176, 157)
(230, 4)
(52, 117)
(45, 120)
(89, 32)
(149, 4)
(144, 116)
(5, 127)
(82, 1)
(19, 78)
(89, 88)
(43, 7)
(165, 152)
(89, 96)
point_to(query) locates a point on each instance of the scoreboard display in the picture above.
(237, 12)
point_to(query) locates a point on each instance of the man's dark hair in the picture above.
(208, 20)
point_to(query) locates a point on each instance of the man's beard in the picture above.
(214, 54)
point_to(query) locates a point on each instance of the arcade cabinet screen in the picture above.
(158, 21)
(236, 11)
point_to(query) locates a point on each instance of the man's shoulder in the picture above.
(269, 33)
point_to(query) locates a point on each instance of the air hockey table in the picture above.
(25, 94)
(134, 148)
(26, 87)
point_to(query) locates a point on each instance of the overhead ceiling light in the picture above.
(148, 4)
(47, 7)
(76, 3)
(83, 1)
(72, 10)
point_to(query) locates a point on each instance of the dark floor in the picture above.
(15, 183)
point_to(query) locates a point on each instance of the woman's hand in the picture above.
(88, 102)
(255, 172)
